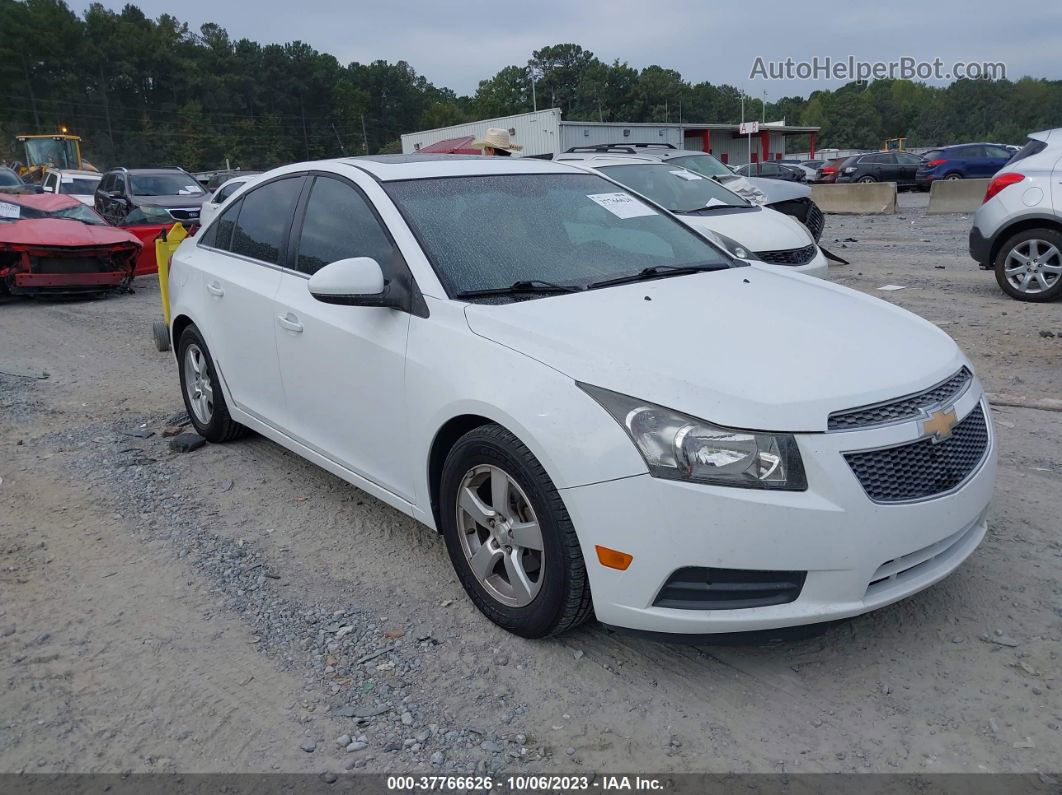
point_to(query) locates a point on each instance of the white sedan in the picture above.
(600, 410)
(746, 229)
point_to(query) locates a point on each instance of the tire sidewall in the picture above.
(1042, 233)
(214, 431)
(538, 618)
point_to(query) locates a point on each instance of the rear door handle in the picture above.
(214, 288)
(290, 322)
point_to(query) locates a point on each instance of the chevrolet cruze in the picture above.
(600, 410)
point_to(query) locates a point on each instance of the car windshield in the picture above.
(12, 212)
(78, 185)
(164, 185)
(566, 229)
(8, 178)
(677, 189)
(705, 164)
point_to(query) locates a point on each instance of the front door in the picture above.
(343, 367)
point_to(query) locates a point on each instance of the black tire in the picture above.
(221, 427)
(563, 600)
(1051, 236)
(953, 176)
(866, 180)
(161, 334)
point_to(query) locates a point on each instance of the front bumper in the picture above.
(819, 266)
(858, 555)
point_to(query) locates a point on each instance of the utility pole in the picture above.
(534, 99)
(33, 97)
(764, 107)
(364, 136)
(342, 148)
(107, 110)
(305, 137)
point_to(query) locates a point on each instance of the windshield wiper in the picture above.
(658, 271)
(711, 208)
(523, 286)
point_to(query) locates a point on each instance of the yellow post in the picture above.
(165, 244)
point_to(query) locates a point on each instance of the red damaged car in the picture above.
(53, 244)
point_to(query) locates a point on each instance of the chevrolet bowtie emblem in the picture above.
(939, 424)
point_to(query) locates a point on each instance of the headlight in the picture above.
(679, 447)
(734, 248)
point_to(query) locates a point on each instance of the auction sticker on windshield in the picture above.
(621, 205)
(686, 175)
(9, 210)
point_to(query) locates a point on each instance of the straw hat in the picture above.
(496, 138)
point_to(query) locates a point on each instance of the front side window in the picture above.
(339, 224)
(569, 229)
(677, 189)
(264, 220)
(77, 185)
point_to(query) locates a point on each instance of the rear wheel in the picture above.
(1029, 265)
(509, 536)
(953, 176)
(203, 398)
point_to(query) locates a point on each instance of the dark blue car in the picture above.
(965, 161)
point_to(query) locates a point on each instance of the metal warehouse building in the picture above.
(544, 133)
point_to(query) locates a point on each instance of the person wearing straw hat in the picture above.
(496, 143)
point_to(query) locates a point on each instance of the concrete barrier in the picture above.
(956, 195)
(856, 198)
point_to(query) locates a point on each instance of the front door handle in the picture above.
(215, 288)
(290, 322)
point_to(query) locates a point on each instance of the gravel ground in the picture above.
(236, 608)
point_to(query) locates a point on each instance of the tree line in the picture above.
(151, 92)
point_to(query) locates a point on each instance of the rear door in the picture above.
(995, 158)
(344, 366)
(241, 283)
(906, 166)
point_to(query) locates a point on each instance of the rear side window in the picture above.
(339, 224)
(219, 235)
(264, 220)
(1032, 147)
(997, 151)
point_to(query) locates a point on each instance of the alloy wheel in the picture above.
(1033, 266)
(500, 535)
(197, 384)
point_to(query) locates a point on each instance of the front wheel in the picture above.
(1029, 265)
(867, 180)
(953, 176)
(509, 536)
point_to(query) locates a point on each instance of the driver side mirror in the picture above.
(356, 281)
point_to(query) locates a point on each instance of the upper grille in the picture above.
(922, 469)
(901, 409)
(789, 256)
(185, 215)
(805, 211)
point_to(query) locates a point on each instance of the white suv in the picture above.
(1017, 231)
(599, 409)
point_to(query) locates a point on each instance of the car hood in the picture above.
(750, 347)
(778, 190)
(760, 228)
(63, 232)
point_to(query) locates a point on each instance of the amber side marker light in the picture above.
(613, 558)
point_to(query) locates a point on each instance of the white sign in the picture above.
(622, 205)
(749, 127)
(688, 175)
(9, 210)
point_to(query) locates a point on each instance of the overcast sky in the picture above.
(456, 44)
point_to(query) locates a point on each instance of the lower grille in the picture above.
(790, 256)
(925, 468)
(697, 588)
(72, 265)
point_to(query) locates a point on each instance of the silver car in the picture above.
(1017, 231)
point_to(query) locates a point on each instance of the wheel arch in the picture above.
(179, 324)
(1019, 226)
(441, 445)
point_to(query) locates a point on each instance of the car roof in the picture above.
(387, 168)
(595, 160)
(76, 172)
(149, 171)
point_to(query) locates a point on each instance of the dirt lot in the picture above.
(235, 608)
